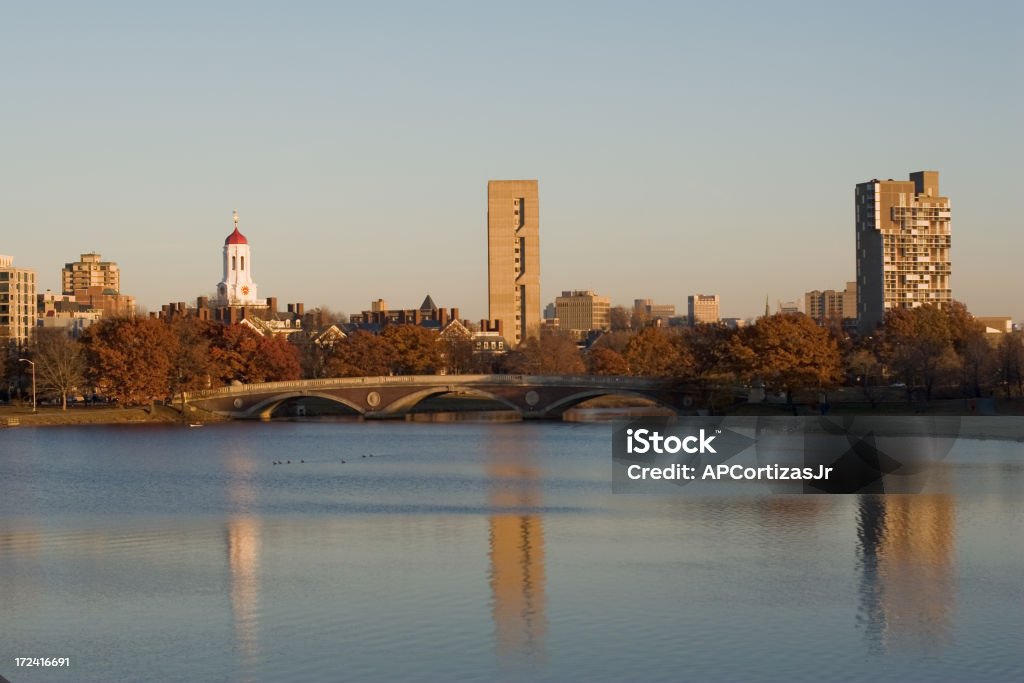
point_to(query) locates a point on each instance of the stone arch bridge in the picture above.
(533, 396)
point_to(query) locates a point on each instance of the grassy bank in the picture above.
(47, 416)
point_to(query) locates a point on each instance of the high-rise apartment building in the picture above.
(903, 246)
(703, 308)
(90, 271)
(17, 302)
(580, 311)
(513, 257)
(823, 306)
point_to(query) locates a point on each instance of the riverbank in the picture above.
(46, 416)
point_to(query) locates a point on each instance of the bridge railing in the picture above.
(602, 382)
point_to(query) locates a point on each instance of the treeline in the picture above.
(923, 350)
(926, 350)
(142, 360)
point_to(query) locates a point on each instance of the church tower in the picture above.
(237, 288)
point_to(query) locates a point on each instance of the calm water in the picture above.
(485, 552)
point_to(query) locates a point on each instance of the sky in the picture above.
(679, 147)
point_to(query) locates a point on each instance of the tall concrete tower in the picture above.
(236, 288)
(513, 257)
(903, 246)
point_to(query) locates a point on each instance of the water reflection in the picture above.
(517, 559)
(243, 549)
(21, 566)
(907, 590)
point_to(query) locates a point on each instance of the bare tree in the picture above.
(60, 363)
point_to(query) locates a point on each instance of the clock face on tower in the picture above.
(245, 290)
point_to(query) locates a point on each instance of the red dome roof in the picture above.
(236, 238)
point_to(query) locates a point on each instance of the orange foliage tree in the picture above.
(129, 359)
(787, 352)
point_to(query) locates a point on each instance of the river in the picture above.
(485, 551)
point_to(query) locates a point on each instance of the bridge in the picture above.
(533, 396)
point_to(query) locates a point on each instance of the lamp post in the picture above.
(25, 360)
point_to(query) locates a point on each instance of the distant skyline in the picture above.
(678, 149)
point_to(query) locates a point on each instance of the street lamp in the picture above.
(25, 360)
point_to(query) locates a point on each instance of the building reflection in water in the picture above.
(907, 560)
(243, 548)
(517, 558)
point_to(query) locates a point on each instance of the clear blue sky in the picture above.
(679, 148)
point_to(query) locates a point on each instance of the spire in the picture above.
(767, 311)
(235, 237)
(428, 304)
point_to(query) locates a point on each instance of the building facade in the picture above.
(580, 311)
(652, 313)
(903, 246)
(17, 303)
(823, 306)
(703, 308)
(90, 271)
(513, 257)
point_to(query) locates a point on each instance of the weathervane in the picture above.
(234, 215)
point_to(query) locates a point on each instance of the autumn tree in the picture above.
(189, 351)
(60, 363)
(232, 354)
(278, 360)
(457, 355)
(917, 344)
(713, 369)
(655, 352)
(605, 361)
(360, 354)
(128, 359)
(312, 355)
(617, 341)
(978, 362)
(559, 355)
(866, 372)
(416, 351)
(239, 354)
(554, 353)
(788, 352)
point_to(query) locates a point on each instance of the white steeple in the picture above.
(237, 288)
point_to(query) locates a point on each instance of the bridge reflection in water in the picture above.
(516, 555)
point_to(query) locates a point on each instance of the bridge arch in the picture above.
(264, 408)
(408, 402)
(568, 402)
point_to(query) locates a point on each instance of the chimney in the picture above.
(272, 305)
(300, 309)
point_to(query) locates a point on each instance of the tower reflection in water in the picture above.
(516, 556)
(907, 559)
(243, 547)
